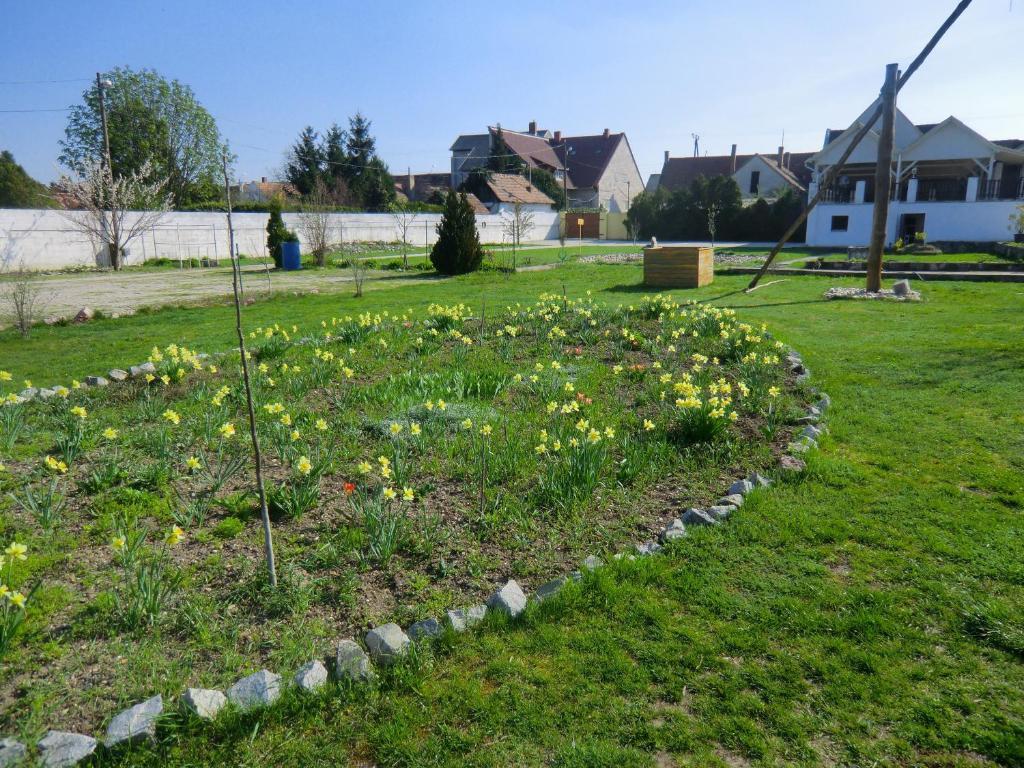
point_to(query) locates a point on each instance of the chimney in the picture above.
(558, 137)
(607, 133)
(779, 158)
(786, 158)
(411, 180)
(732, 160)
(666, 155)
(263, 179)
(533, 128)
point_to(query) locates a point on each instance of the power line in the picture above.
(45, 82)
(23, 111)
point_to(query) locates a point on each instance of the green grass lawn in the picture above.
(865, 613)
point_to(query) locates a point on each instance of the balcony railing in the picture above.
(1001, 189)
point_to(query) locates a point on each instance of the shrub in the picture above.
(457, 250)
(277, 232)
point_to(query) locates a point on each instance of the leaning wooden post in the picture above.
(236, 280)
(883, 179)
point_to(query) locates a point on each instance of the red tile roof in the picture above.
(680, 172)
(586, 157)
(512, 188)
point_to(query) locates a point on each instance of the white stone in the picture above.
(117, 375)
(741, 487)
(695, 516)
(550, 589)
(259, 689)
(61, 749)
(733, 499)
(426, 629)
(648, 548)
(351, 662)
(720, 511)
(591, 562)
(11, 752)
(95, 381)
(510, 599)
(135, 723)
(311, 675)
(387, 643)
(142, 369)
(462, 619)
(205, 703)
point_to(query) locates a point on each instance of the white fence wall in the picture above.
(45, 239)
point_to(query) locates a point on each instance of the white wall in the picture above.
(620, 182)
(770, 180)
(45, 239)
(985, 221)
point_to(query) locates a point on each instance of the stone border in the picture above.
(389, 643)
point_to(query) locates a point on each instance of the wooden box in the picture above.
(678, 267)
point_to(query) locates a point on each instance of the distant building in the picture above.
(504, 190)
(756, 175)
(597, 171)
(422, 187)
(948, 181)
(261, 191)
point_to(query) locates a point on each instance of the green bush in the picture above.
(277, 232)
(457, 250)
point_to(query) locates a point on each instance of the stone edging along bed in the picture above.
(386, 644)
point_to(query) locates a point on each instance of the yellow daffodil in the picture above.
(193, 463)
(467, 423)
(363, 467)
(5, 376)
(55, 465)
(395, 428)
(407, 494)
(286, 420)
(304, 465)
(110, 433)
(118, 543)
(415, 428)
(227, 430)
(80, 412)
(321, 425)
(486, 430)
(389, 493)
(172, 416)
(16, 551)
(17, 599)
(648, 425)
(174, 536)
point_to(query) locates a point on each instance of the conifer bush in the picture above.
(457, 250)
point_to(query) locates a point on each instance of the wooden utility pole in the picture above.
(107, 168)
(236, 281)
(883, 179)
(831, 174)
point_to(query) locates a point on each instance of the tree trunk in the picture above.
(883, 179)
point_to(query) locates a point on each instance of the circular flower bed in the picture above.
(411, 463)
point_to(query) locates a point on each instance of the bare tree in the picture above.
(22, 289)
(114, 211)
(315, 222)
(404, 219)
(517, 225)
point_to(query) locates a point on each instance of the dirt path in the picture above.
(125, 292)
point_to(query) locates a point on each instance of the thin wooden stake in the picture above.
(236, 279)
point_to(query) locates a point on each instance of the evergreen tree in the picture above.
(502, 159)
(368, 179)
(305, 162)
(277, 232)
(457, 250)
(18, 189)
(335, 159)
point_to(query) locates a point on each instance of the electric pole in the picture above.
(107, 176)
(883, 179)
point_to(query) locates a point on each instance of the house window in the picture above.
(840, 223)
(755, 181)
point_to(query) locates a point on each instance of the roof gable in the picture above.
(949, 140)
(513, 188)
(535, 151)
(587, 157)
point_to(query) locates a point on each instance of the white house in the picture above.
(948, 181)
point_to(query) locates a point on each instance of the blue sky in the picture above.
(730, 70)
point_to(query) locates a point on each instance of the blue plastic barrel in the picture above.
(291, 256)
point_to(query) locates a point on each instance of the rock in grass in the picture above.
(135, 723)
(824, 402)
(675, 530)
(29, 393)
(550, 589)
(387, 643)
(45, 393)
(509, 600)
(259, 689)
(648, 548)
(720, 511)
(591, 562)
(11, 752)
(901, 288)
(95, 381)
(311, 675)
(792, 464)
(808, 419)
(141, 370)
(732, 500)
(802, 446)
(62, 749)
(426, 629)
(812, 432)
(462, 619)
(694, 516)
(117, 375)
(758, 480)
(741, 487)
(204, 703)
(351, 662)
